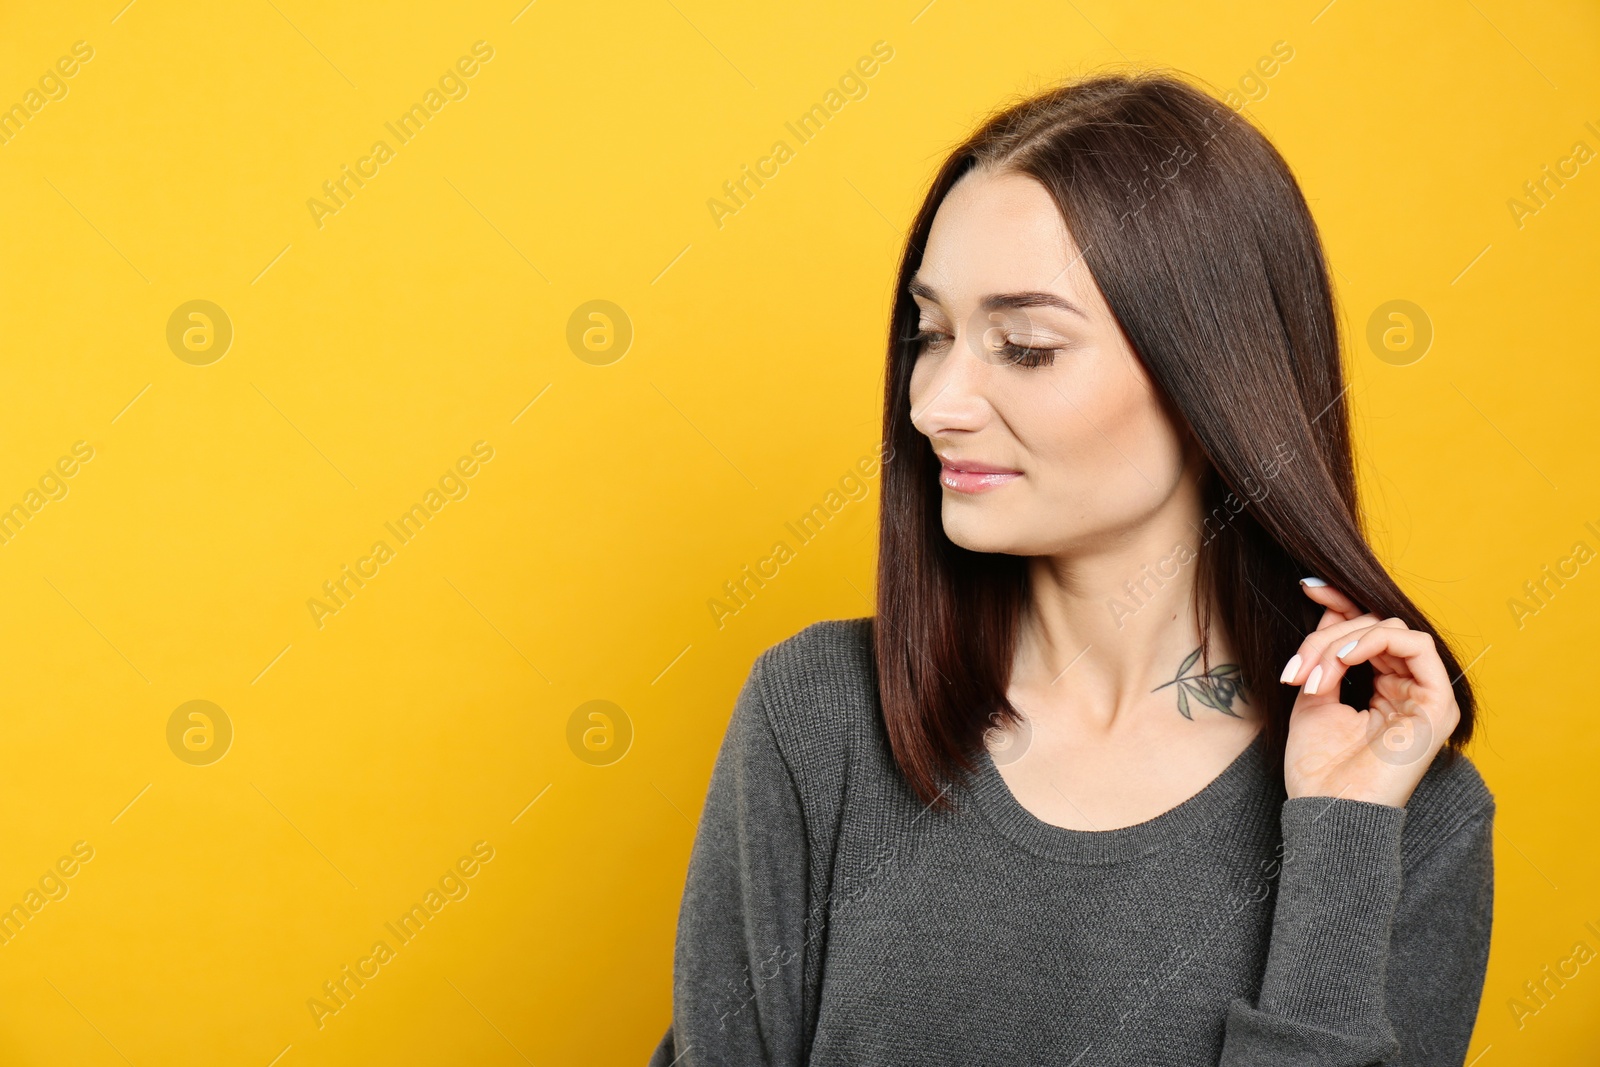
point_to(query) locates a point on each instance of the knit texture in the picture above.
(829, 918)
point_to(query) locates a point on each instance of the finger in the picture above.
(1416, 651)
(1336, 602)
(1421, 682)
(1331, 667)
(1395, 688)
(1316, 644)
(1330, 617)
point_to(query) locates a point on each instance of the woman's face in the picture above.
(1087, 453)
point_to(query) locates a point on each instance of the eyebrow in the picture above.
(1033, 298)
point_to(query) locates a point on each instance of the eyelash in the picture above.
(1017, 355)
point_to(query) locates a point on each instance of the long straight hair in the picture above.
(1201, 242)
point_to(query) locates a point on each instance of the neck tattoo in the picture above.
(1217, 688)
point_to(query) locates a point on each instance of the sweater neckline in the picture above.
(1176, 826)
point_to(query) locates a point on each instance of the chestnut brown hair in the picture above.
(1201, 242)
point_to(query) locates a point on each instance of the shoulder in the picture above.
(819, 690)
(820, 652)
(1451, 799)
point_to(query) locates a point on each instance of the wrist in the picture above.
(1390, 797)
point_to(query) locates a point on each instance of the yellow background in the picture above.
(371, 352)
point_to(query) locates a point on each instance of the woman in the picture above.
(1103, 780)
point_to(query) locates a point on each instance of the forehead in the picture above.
(997, 232)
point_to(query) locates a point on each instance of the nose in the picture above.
(949, 389)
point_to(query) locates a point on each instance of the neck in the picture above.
(1107, 628)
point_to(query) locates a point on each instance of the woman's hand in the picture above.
(1379, 754)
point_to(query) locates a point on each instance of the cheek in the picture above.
(1135, 420)
(1102, 436)
(1149, 438)
(1077, 419)
(917, 386)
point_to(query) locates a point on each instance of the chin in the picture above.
(990, 533)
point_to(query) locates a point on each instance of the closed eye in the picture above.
(1015, 354)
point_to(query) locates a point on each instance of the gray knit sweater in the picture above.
(829, 919)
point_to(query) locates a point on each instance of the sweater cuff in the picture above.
(1337, 895)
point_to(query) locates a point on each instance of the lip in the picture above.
(970, 476)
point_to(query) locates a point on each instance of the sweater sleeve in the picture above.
(738, 964)
(1374, 960)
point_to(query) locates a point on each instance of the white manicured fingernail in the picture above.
(1311, 682)
(1293, 665)
(1316, 583)
(1345, 651)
